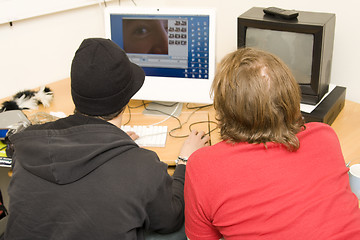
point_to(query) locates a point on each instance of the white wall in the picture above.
(37, 51)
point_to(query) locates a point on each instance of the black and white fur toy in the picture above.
(28, 99)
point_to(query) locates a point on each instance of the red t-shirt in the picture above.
(247, 191)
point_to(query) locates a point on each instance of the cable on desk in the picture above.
(196, 108)
(169, 115)
(181, 124)
(156, 110)
(203, 106)
(129, 110)
(141, 105)
(208, 122)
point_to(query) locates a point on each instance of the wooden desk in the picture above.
(346, 125)
(62, 102)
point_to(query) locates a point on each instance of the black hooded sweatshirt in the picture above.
(84, 178)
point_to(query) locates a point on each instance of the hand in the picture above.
(132, 135)
(195, 141)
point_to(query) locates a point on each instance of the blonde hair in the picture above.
(257, 99)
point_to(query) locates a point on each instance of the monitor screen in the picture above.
(175, 48)
(294, 48)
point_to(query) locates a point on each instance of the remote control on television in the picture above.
(282, 13)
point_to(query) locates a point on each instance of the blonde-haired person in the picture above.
(272, 176)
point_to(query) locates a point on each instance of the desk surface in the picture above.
(346, 124)
(62, 102)
(347, 127)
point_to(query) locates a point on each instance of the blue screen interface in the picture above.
(164, 45)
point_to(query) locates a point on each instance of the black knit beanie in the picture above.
(103, 79)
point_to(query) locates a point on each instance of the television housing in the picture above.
(184, 69)
(305, 44)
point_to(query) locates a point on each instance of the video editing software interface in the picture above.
(164, 45)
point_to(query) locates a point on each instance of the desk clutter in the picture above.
(13, 120)
(5, 160)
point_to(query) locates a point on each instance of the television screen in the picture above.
(295, 49)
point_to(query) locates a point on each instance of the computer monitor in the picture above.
(175, 48)
(305, 44)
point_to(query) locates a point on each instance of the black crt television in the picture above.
(304, 43)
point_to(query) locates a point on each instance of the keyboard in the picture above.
(149, 135)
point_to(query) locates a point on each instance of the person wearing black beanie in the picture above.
(103, 80)
(82, 177)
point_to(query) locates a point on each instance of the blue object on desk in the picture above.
(3, 133)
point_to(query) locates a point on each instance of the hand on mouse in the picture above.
(195, 141)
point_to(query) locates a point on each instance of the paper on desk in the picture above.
(58, 114)
(309, 108)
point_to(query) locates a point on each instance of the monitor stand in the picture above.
(163, 109)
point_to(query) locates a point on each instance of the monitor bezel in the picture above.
(172, 89)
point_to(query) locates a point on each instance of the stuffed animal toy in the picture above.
(28, 99)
